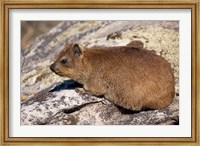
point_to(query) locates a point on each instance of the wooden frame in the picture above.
(7, 4)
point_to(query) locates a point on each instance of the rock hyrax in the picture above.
(133, 78)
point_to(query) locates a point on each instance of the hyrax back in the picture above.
(133, 78)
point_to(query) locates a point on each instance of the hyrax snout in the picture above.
(128, 76)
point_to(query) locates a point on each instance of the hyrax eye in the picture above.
(63, 61)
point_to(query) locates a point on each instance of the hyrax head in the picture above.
(68, 60)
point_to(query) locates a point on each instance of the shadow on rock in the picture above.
(128, 111)
(67, 84)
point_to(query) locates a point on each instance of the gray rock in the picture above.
(50, 99)
(43, 107)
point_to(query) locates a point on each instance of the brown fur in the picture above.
(136, 44)
(133, 78)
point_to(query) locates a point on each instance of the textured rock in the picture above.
(50, 99)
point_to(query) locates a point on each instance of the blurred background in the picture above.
(32, 29)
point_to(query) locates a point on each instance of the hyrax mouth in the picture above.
(52, 67)
(56, 70)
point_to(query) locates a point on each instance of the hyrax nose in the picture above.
(52, 67)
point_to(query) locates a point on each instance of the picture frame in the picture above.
(6, 5)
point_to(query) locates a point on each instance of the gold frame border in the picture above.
(182, 4)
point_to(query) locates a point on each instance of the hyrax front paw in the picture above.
(81, 91)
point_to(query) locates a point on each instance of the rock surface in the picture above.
(49, 99)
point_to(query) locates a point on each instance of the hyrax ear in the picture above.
(77, 50)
